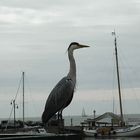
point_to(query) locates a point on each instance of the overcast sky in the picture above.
(34, 37)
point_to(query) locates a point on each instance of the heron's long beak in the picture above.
(83, 46)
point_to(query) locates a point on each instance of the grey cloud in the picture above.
(40, 49)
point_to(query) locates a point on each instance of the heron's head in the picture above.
(75, 45)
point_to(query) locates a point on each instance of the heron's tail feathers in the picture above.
(47, 116)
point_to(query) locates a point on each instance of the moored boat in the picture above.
(121, 130)
(133, 131)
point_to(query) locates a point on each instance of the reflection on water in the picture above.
(121, 138)
(91, 138)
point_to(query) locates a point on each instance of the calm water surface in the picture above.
(121, 138)
(92, 138)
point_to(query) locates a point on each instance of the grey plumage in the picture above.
(62, 94)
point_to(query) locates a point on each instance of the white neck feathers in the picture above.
(72, 71)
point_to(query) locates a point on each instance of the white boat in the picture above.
(90, 132)
(121, 130)
(133, 131)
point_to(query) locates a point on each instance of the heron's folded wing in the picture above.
(59, 98)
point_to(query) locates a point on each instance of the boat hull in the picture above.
(90, 133)
(129, 132)
(126, 132)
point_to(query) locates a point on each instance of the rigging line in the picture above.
(33, 105)
(115, 106)
(124, 103)
(128, 66)
(18, 88)
(30, 95)
(121, 64)
(9, 118)
(13, 106)
(138, 102)
(128, 78)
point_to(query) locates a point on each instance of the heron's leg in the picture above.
(58, 115)
(61, 117)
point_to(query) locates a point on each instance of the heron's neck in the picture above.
(72, 71)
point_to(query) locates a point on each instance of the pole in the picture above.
(94, 113)
(23, 97)
(118, 78)
(14, 113)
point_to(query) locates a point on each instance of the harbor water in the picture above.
(120, 138)
(85, 138)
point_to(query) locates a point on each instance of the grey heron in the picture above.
(62, 94)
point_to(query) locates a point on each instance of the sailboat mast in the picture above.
(23, 95)
(118, 78)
